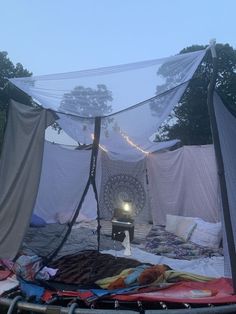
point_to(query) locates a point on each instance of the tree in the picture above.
(86, 100)
(7, 70)
(189, 120)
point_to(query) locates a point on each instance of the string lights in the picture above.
(131, 143)
(100, 146)
(128, 140)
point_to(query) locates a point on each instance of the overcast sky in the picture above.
(53, 36)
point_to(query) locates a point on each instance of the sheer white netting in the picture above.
(105, 91)
(132, 100)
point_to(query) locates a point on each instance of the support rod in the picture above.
(93, 167)
(39, 308)
(220, 166)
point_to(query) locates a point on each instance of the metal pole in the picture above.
(39, 308)
(220, 166)
(93, 167)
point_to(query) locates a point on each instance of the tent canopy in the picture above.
(112, 89)
(132, 100)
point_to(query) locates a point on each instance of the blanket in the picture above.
(43, 241)
(85, 268)
(161, 242)
(145, 275)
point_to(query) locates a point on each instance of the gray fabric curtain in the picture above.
(20, 169)
(226, 124)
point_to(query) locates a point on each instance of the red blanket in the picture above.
(214, 291)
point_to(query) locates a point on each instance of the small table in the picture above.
(119, 227)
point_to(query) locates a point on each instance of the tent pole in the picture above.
(91, 180)
(220, 166)
(93, 165)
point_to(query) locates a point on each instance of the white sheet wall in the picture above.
(64, 176)
(181, 182)
(184, 182)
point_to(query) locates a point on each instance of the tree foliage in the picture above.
(189, 121)
(85, 100)
(7, 70)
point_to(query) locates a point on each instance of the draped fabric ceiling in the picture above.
(133, 100)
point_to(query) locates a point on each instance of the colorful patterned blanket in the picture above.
(161, 242)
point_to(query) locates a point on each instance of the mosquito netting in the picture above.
(119, 109)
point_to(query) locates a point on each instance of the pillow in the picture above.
(171, 222)
(37, 221)
(207, 234)
(180, 226)
(185, 228)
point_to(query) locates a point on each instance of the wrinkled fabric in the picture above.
(20, 169)
(31, 290)
(184, 182)
(145, 275)
(26, 267)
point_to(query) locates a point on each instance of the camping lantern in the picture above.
(122, 221)
(124, 212)
(127, 209)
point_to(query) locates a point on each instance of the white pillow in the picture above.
(207, 234)
(185, 228)
(180, 226)
(171, 222)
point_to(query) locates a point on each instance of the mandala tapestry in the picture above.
(123, 187)
(122, 181)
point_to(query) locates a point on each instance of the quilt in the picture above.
(161, 242)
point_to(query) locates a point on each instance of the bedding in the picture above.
(161, 242)
(85, 268)
(182, 227)
(152, 239)
(91, 275)
(90, 270)
(43, 241)
(112, 272)
(122, 276)
(207, 233)
(196, 229)
(213, 292)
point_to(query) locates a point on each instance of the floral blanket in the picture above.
(161, 242)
